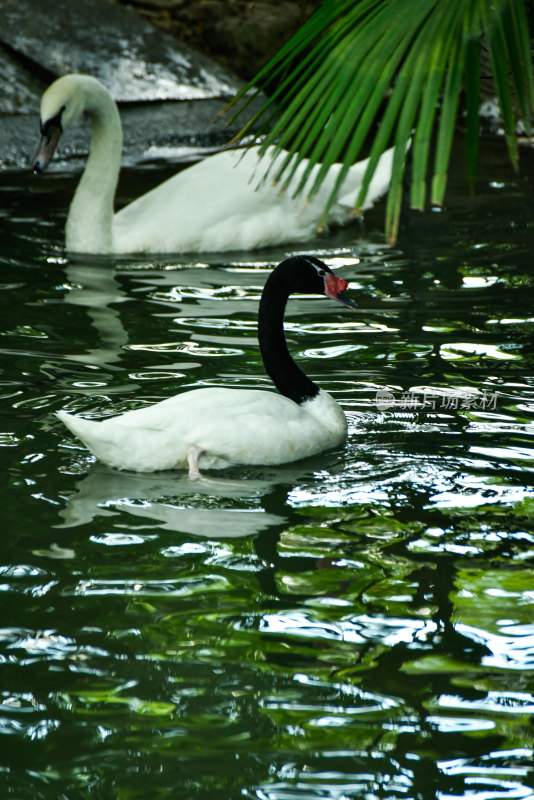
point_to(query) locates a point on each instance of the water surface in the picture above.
(356, 625)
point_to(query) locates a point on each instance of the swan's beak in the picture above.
(46, 148)
(334, 288)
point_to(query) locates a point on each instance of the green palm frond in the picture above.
(393, 71)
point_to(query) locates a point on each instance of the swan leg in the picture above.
(193, 454)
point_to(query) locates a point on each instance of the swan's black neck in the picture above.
(293, 275)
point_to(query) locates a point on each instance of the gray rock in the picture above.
(135, 61)
(240, 34)
(19, 88)
(42, 40)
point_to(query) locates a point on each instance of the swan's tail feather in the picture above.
(125, 447)
(80, 427)
(98, 437)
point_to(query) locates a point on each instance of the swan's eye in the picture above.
(321, 269)
(52, 122)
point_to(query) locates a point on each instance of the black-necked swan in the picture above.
(220, 203)
(213, 428)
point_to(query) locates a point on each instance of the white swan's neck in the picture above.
(89, 226)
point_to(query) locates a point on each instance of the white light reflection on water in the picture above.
(447, 489)
(504, 652)
(499, 782)
(495, 702)
(358, 630)
(460, 724)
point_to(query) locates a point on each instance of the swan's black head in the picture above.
(310, 275)
(305, 275)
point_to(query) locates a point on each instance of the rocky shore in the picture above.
(172, 65)
(241, 35)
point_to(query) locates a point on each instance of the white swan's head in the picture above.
(61, 105)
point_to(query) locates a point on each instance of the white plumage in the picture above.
(217, 427)
(228, 426)
(221, 203)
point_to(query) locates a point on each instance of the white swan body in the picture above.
(228, 426)
(217, 427)
(221, 203)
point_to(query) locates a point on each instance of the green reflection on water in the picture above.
(358, 625)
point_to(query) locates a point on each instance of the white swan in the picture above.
(217, 427)
(220, 203)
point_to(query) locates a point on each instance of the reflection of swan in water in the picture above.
(163, 498)
(95, 288)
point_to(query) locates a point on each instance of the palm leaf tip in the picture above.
(363, 65)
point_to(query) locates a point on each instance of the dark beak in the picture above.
(345, 301)
(46, 149)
